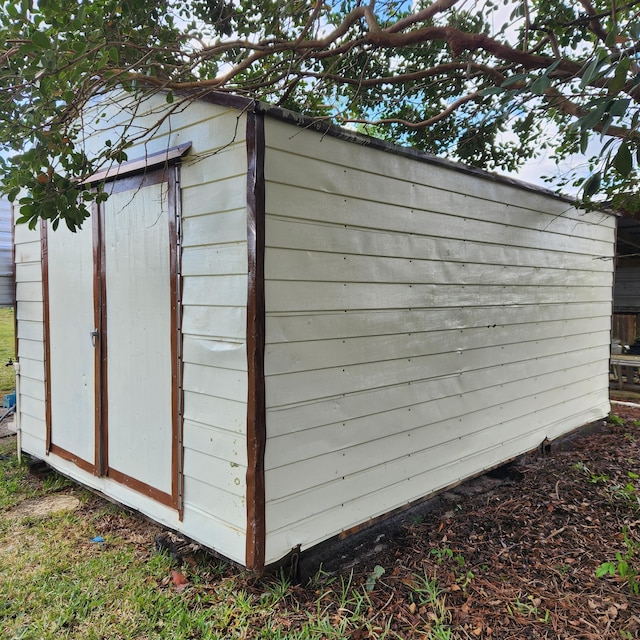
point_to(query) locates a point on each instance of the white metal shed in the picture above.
(271, 334)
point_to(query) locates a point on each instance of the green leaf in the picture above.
(593, 70)
(41, 40)
(375, 575)
(611, 37)
(489, 91)
(619, 107)
(169, 97)
(540, 85)
(552, 67)
(606, 568)
(518, 77)
(584, 140)
(620, 76)
(591, 185)
(593, 117)
(623, 162)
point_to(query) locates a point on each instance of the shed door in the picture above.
(112, 338)
(139, 313)
(70, 321)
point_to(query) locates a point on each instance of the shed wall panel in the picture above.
(289, 420)
(30, 318)
(313, 236)
(445, 181)
(422, 325)
(296, 327)
(214, 228)
(214, 285)
(428, 205)
(431, 476)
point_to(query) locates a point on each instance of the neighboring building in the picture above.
(626, 292)
(7, 287)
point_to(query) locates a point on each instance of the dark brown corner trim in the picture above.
(256, 408)
(146, 163)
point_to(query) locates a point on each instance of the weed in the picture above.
(529, 608)
(624, 565)
(343, 595)
(615, 420)
(426, 592)
(277, 589)
(626, 492)
(374, 576)
(464, 579)
(446, 553)
(592, 477)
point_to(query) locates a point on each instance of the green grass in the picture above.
(58, 584)
(7, 350)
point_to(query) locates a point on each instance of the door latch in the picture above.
(94, 337)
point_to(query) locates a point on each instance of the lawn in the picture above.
(7, 351)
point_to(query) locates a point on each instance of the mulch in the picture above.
(518, 557)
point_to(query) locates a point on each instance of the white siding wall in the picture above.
(214, 266)
(214, 295)
(422, 325)
(30, 354)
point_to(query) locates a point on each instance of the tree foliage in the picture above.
(475, 81)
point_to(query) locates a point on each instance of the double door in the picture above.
(111, 335)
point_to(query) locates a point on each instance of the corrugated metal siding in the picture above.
(30, 325)
(422, 325)
(626, 292)
(6, 257)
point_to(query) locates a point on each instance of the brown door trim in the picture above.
(177, 397)
(99, 310)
